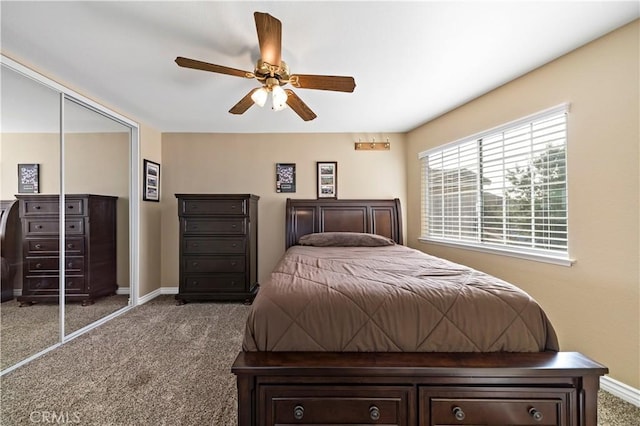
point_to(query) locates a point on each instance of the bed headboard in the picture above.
(382, 217)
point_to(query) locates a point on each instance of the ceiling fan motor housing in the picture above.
(265, 70)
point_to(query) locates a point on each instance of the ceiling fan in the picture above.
(273, 73)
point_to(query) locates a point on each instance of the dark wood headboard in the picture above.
(382, 217)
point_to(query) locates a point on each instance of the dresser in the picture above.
(218, 247)
(90, 247)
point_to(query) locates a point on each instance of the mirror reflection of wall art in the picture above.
(327, 179)
(285, 177)
(151, 181)
(29, 178)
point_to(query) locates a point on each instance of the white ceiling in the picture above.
(412, 61)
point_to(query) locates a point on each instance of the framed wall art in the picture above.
(151, 181)
(285, 177)
(29, 178)
(327, 179)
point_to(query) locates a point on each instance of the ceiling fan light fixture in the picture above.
(259, 97)
(279, 97)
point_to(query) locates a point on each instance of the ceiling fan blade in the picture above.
(269, 37)
(296, 104)
(323, 82)
(205, 66)
(244, 104)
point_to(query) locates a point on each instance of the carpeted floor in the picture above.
(158, 364)
(27, 330)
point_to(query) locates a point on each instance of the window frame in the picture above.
(548, 256)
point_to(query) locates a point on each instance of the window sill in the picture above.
(532, 256)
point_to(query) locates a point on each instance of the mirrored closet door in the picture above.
(66, 189)
(30, 165)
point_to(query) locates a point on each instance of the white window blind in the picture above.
(505, 188)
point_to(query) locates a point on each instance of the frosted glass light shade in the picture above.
(259, 97)
(279, 98)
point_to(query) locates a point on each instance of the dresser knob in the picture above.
(38, 246)
(38, 265)
(298, 412)
(70, 207)
(374, 412)
(535, 414)
(195, 283)
(38, 226)
(72, 226)
(70, 245)
(37, 207)
(458, 413)
(233, 263)
(70, 265)
(234, 226)
(194, 264)
(69, 283)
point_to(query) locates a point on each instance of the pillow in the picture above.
(345, 239)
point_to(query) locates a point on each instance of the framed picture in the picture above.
(327, 179)
(29, 178)
(285, 177)
(151, 181)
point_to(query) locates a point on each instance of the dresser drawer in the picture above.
(204, 264)
(41, 247)
(343, 405)
(219, 226)
(51, 264)
(535, 407)
(193, 245)
(40, 207)
(217, 207)
(52, 226)
(47, 283)
(213, 282)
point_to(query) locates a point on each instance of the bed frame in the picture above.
(276, 388)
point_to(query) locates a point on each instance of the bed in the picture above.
(354, 328)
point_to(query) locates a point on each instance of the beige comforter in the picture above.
(389, 299)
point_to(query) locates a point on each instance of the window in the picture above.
(504, 189)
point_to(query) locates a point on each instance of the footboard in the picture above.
(546, 388)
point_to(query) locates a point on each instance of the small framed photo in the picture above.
(285, 177)
(29, 178)
(151, 181)
(327, 179)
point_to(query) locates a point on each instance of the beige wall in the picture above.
(594, 304)
(245, 163)
(95, 163)
(150, 217)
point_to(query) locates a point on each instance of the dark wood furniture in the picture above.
(90, 247)
(218, 247)
(302, 388)
(9, 247)
(305, 388)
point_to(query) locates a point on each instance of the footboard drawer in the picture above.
(327, 405)
(513, 406)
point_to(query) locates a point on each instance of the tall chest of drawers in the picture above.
(90, 247)
(218, 247)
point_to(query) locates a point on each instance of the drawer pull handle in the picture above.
(70, 265)
(37, 207)
(233, 263)
(38, 265)
(70, 245)
(72, 226)
(70, 207)
(374, 413)
(38, 246)
(535, 414)
(458, 413)
(298, 412)
(195, 264)
(38, 226)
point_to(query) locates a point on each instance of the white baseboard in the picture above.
(123, 290)
(155, 293)
(619, 389)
